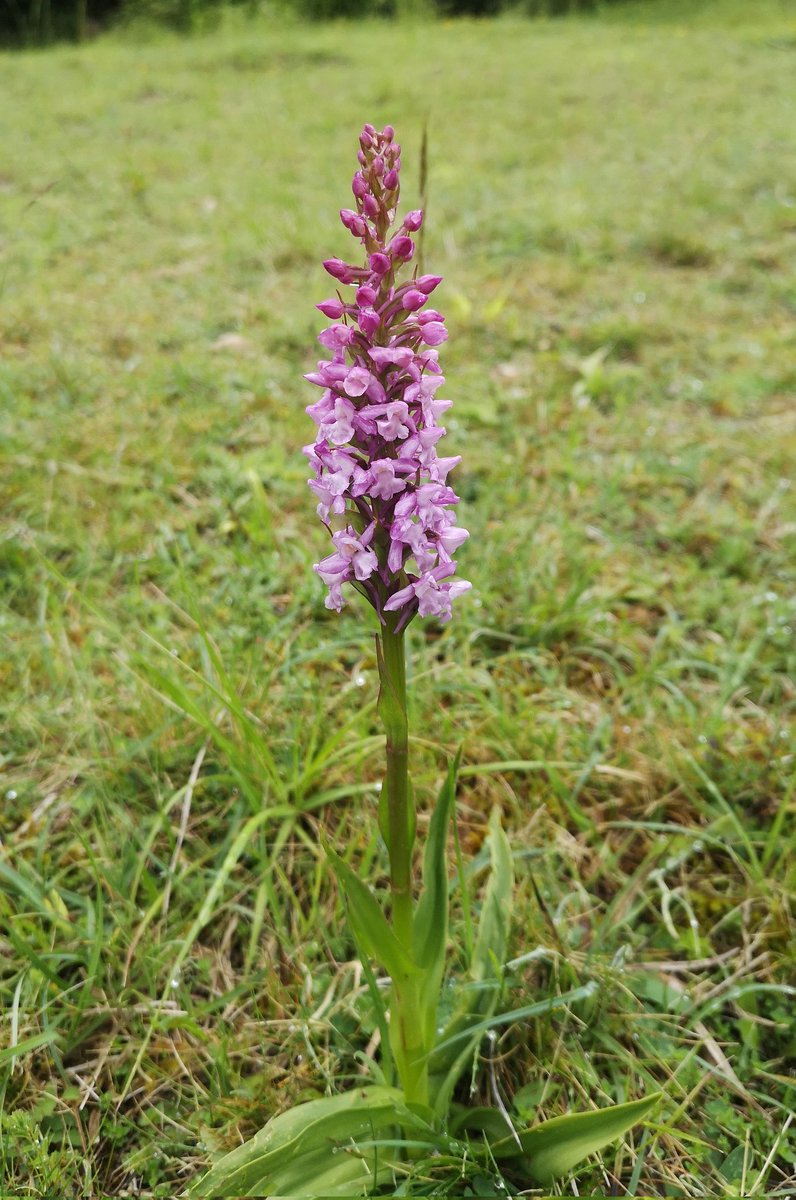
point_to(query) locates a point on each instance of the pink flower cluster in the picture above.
(382, 488)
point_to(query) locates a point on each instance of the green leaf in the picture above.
(479, 996)
(430, 930)
(431, 916)
(538, 1009)
(489, 1121)
(371, 928)
(493, 929)
(311, 1150)
(555, 1147)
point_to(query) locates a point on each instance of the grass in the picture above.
(613, 206)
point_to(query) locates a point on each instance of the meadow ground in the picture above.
(613, 206)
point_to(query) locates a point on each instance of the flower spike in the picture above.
(380, 484)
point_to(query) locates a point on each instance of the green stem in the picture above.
(399, 817)
(398, 828)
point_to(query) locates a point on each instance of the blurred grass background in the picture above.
(612, 202)
(41, 22)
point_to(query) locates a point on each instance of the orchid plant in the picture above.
(382, 491)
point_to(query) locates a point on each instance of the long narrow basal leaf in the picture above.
(555, 1147)
(468, 1038)
(489, 953)
(296, 1147)
(479, 997)
(431, 917)
(538, 1009)
(371, 928)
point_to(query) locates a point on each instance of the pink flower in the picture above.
(357, 381)
(356, 551)
(432, 594)
(392, 420)
(399, 356)
(340, 428)
(336, 336)
(384, 482)
(366, 296)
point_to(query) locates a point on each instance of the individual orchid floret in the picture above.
(380, 484)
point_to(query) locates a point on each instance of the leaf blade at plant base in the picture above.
(479, 997)
(297, 1152)
(491, 942)
(430, 926)
(431, 918)
(538, 1009)
(553, 1148)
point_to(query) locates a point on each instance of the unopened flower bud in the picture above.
(390, 180)
(413, 220)
(379, 263)
(366, 296)
(370, 206)
(402, 247)
(332, 308)
(343, 271)
(359, 185)
(427, 283)
(388, 133)
(412, 300)
(354, 222)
